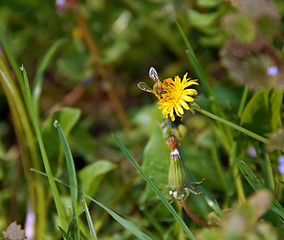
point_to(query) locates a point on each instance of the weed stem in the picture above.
(193, 217)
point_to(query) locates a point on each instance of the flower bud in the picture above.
(178, 178)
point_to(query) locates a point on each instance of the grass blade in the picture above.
(228, 137)
(30, 155)
(195, 63)
(89, 220)
(256, 184)
(39, 74)
(33, 117)
(71, 174)
(67, 237)
(128, 225)
(154, 187)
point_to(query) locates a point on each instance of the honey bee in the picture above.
(157, 87)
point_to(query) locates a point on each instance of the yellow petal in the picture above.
(184, 104)
(187, 99)
(190, 92)
(177, 80)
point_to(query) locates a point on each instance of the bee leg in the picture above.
(166, 187)
(196, 183)
(194, 191)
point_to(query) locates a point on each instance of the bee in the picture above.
(157, 87)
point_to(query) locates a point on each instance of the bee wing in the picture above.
(143, 86)
(153, 74)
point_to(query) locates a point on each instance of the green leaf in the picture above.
(202, 20)
(83, 142)
(67, 117)
(74, 66)
(243, 28)
(155, 188)
(228, 96)
(39, 74)
(208, 3)
(262, 114)
(91, 175)
(156, 161)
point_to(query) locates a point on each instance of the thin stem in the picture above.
(193, 217)
(230, 124)
(227, 133)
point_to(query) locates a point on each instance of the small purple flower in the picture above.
(281, 164)
(251, 152)
(272, 70)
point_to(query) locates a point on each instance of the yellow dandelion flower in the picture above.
(176, 96)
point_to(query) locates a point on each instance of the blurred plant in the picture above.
(14, 232)
(243, 221)
(249, 55)
(281, 164)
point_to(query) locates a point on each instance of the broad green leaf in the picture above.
(74, 66)
(243, 28)
(156, 161)
(262, 113)
(91, 175)
(155, 189)
(83, 142)
(208, 3)
(67, 117)
(202, 20)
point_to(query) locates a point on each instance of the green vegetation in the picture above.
(82, 149)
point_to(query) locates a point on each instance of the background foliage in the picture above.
(84, 60)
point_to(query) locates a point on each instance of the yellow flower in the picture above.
(176, 96)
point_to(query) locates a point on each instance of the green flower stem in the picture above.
(227, 133)
(230, 124)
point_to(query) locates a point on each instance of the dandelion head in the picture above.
(176, 97)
